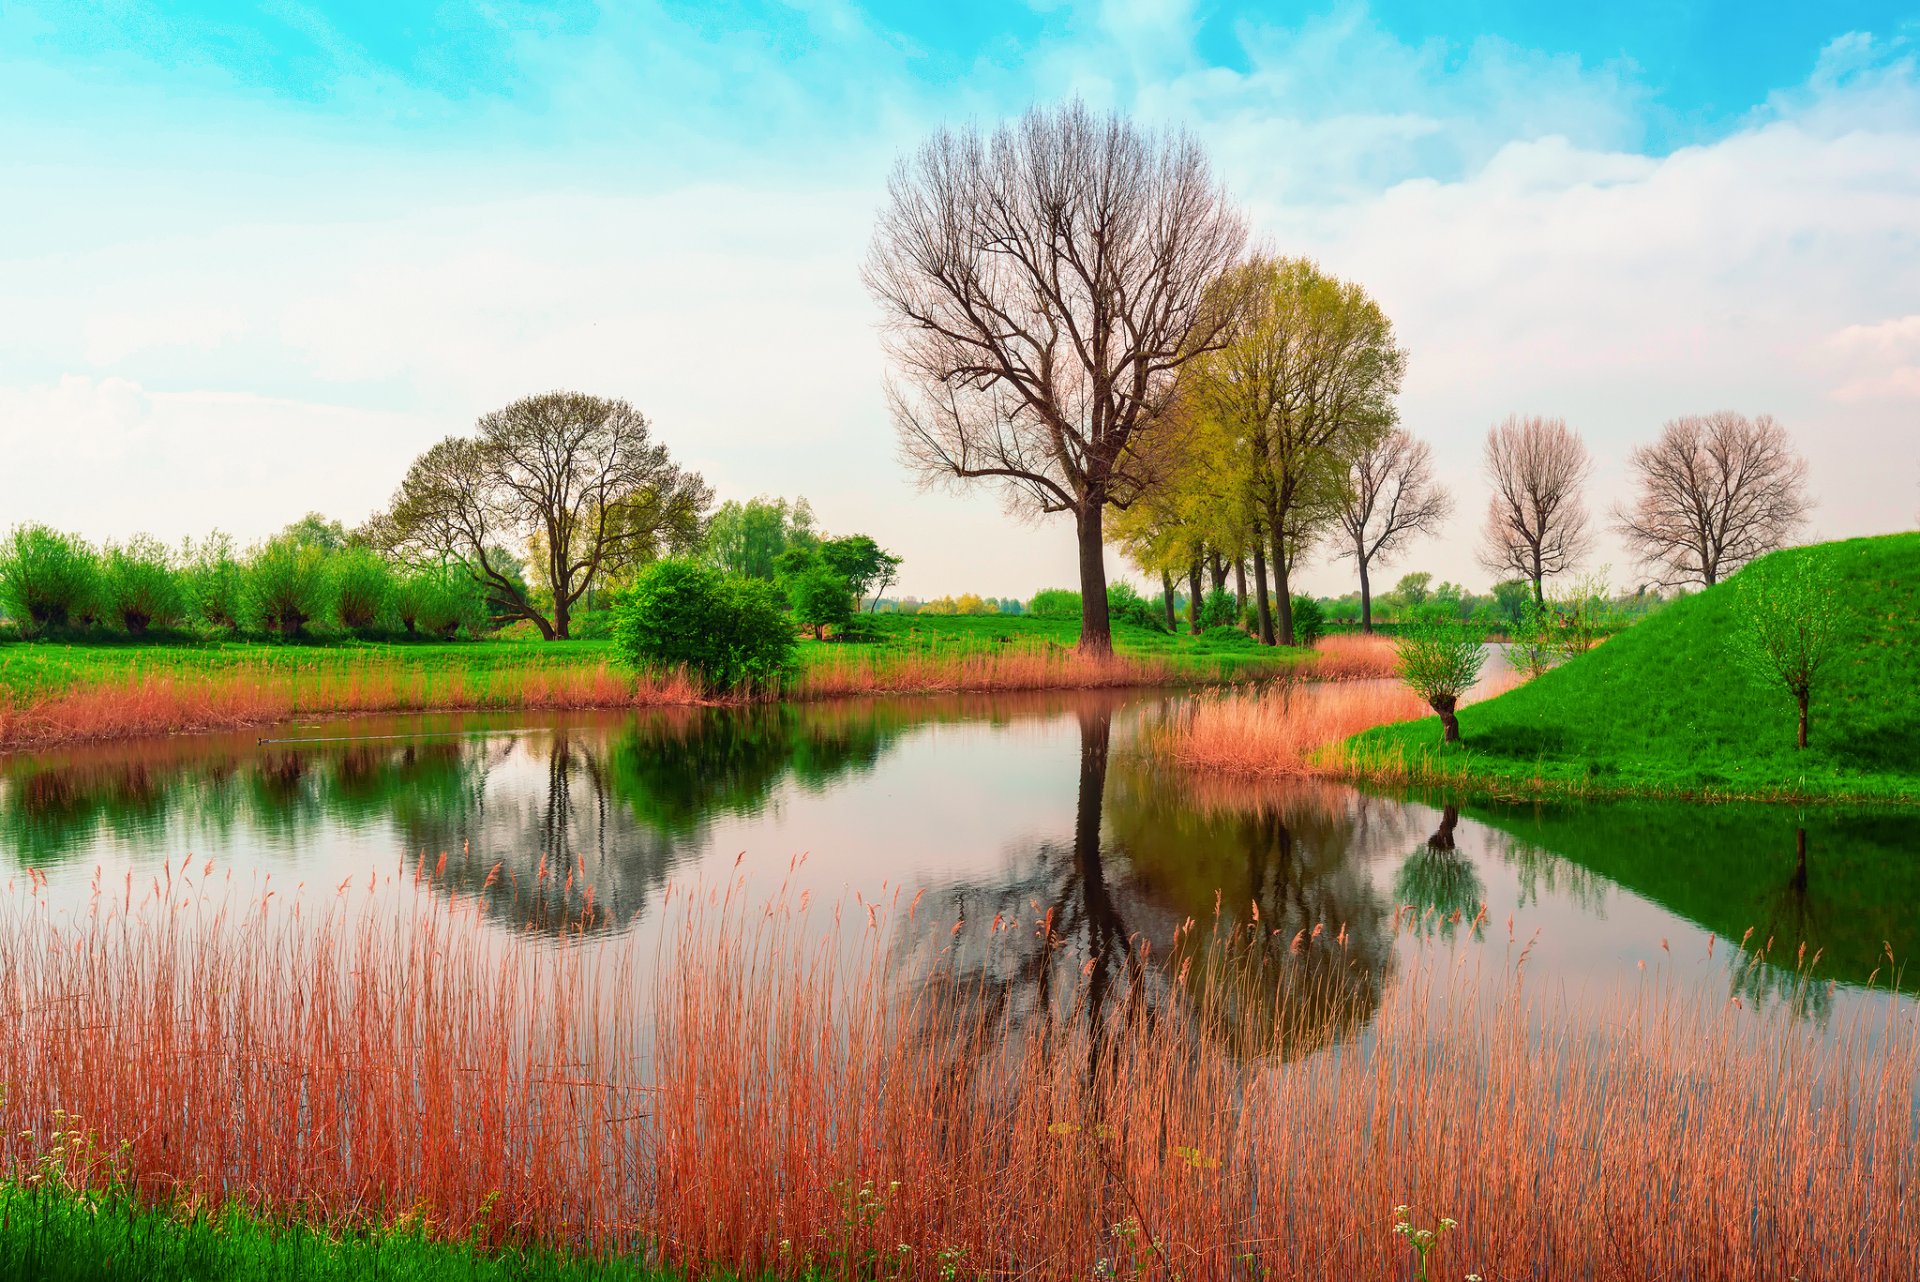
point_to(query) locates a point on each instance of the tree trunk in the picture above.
(1240, 588)
(562, 617)
(1166, 599)
(1096, 631)
(1283, 589)
(1444, 705)
(1262, 603)
(1802, 699)
(1218, 564)
(1193, 598)
(1366, 599)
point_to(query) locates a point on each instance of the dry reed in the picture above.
(1353, 656)
(1280, 731)
(804, 1103)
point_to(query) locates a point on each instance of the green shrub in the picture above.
(1309, 620)
(285, 586)
(47, 579)
(212, 584)
(1054, 603)
(139, 587)
(439, 602)
(820, 598)
(1217, 609)
(360, 589)
(728, 633)
(1440, 659)
(1125, 605)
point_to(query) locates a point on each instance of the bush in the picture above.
(1217, 609)
(139, 588)
(212, 585)
(47, 579)
(728, 633)
(1125, 605)
(820, 598)
(1054, 603)
(285, 586)
(1309, 620)
(361, 588)
(438, 603)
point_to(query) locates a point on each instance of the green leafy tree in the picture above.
(316, 530)
(1126, 605)
(1581, 615)
(1054, 603)
(728, 633)
(1789, 625)
(1217, 609)
(1440, 659)
(438, 601)
(362, 588)
(285, 586)
(213, 582)
(820, 598)
(747, 539)
(139, 587)
(867, 567)
(1533, 643)
(47, 579)
(1511, 598)
(1309, 620)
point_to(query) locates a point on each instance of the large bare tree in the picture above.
(1716, 490)
(1391, 496)
(1042, 285)
(1537, 517)
(575, 480)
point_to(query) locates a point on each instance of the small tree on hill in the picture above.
(1440, 660)
(1787, 630)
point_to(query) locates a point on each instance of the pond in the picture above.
(1049, 811)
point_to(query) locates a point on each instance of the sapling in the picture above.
(1440, 660)
(1788, 626)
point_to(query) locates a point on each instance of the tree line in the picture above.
(1072, 315)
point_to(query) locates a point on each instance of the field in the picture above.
(1660, 710)
(52, 693)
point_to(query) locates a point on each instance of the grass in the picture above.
(52, 1233)
(52, 694)
(905, 1095)
(1660, 710)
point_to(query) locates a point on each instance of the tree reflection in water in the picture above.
(1440, 887)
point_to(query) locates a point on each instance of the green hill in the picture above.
(1662, 710)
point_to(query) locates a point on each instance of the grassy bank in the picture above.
(52, 694)
(1662, 711)
(52, 1233)
(902, 1103)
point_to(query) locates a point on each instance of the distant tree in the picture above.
(1531, 637)
(1537, 519)
(1787, 630)
(1390, 497)
(1440, 660)
(747, 539)
(47, 579)
(1412, 590)
(820, 598)
(579, 475)
(1511, 598)
(316, 530)
(1579, 616)
(285, 586)
(139, 586)
(1042, 288)
(212, 580)
(1054, 603)
(1715, 491)
(867, 567)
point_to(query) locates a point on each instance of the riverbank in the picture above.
(57, 695)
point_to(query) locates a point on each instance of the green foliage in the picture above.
(1579, 615)
(1789, 625)
(1511, 599)
(1660, 709)
(866, 566)
(1309, 620)
(1125, 604)
(361, 589)
(285, 586)
(746, 539)
(139, 587)
(315, 530)
(820, 598)
(212, 583)
(1217, 609)
(1054, 603)
(1532, 637)
(47, 579)
(728, 633)
(1411, 590)
(1440, 659)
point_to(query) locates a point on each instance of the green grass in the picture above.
(48, 1234)
(1661, 710)
(33, 669)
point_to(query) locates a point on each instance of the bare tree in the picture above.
(1537, 519)
(576, 479)
(1042, 286)
(1391, 496)
(1716, 490)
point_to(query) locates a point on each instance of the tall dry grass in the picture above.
(1353, 656)
(1280, 731)
(798, 1102)
(1012, 668)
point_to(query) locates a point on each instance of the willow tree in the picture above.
(1305, 384)
(1042, 286)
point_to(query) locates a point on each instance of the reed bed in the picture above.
(877, 1098)
(1353, 656)
(1281, 731)
(1013, 668)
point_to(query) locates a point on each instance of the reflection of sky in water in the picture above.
(974, 801)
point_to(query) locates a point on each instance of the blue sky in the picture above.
(260, 255)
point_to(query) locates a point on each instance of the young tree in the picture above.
(1537, 519)
(47, 579)
(866, 566)
(1716, 490)
(580, 476)
(1788, 627)
(1440, 660)
(1391, 496)
(1042, 288)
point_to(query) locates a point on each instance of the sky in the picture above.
(255, 258)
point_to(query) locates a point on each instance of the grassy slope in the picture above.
(49, 1236)
(1661, 710)
(32, 669)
